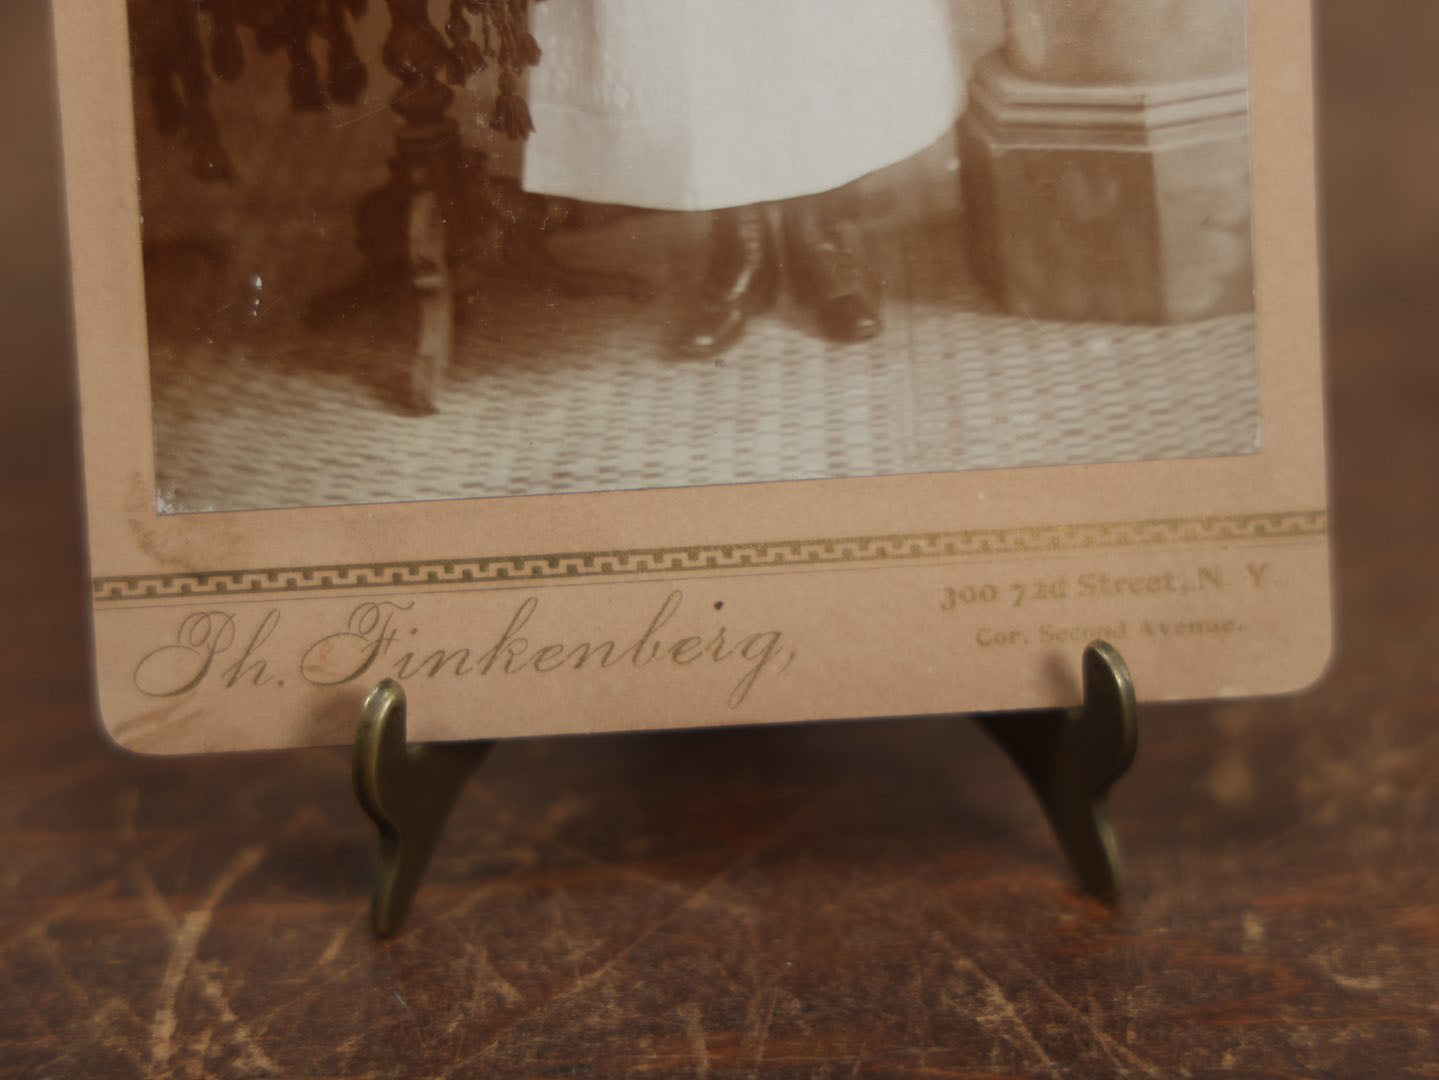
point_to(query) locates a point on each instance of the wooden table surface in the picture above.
(870, 900)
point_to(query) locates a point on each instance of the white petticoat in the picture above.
(702, 104)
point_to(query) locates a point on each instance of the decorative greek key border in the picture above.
(1035, 540)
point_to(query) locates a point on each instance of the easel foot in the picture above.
(408, 792)
(1072, 759)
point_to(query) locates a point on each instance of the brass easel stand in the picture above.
(1071, 759)
(408, 792)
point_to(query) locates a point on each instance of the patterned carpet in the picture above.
(551, 395)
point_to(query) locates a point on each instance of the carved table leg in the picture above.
(421, 227)
(417, 226)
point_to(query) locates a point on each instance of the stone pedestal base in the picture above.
(1115, 204)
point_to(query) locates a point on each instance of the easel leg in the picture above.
(1072, 759)
(408, 792)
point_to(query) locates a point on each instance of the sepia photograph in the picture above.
(641, 364)
(398, 251)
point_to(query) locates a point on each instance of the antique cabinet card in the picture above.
(737, 391)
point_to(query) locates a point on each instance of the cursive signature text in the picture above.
(383, 638)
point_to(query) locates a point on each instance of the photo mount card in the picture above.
(544, 463)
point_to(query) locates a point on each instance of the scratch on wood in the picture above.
(187, 937)
(695, 1035)
(485, 981)
(1113, 1048)
(586, 980)
(1372, 982)
(332, 950)
(99, 1019)
(488, 975)
(253, 1058)
(760, 1035)
(1002, 1009)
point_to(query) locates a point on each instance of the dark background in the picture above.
(866, 900)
